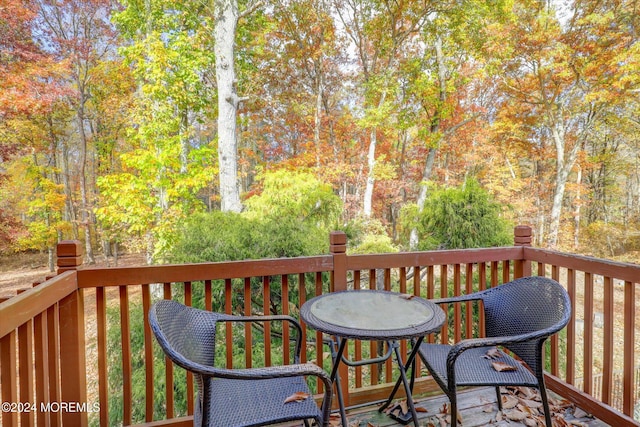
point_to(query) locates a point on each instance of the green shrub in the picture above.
(458, 218)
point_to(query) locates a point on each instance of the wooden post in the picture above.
(73, 370)
(522, 236)
(338, 248)
(69, 254)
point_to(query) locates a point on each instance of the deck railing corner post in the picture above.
(338, 248)
(522, 236)
(69, 253)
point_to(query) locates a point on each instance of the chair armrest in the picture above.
(457, 299)
(276, 317)
(460, 347)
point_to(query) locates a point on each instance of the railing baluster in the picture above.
(629, 368)
(469, 290)
(103, 381)
(571, 329)
(457, 309)
(247, 326)
(41, 366)
(482, 285)
(125, 342)
(53, 344)
(607, 366)
(25, 351)
(148, 354)
(267, 326)
(208, 296)
(302, 294)
(228, 293)
(444, 293)
(168, 382)
(286, 348)
(588, 333)
(9, 385)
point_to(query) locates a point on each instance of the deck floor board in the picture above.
(477, 407)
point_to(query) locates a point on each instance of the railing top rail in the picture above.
(116, 276)
(617, 270)
(23, 307)
(442, 257)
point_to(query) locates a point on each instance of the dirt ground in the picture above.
(20, 271)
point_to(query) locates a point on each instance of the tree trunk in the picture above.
(226, 19)
(371, 162)
(564, 164)
(86, 218)
(435, 126)
(576, 213)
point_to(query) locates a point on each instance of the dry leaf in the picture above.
(509, 402)
(516, 415)
(579, 413)
(503, 367)
(421, 409)
(488, 409)
(530, 422)
(492, 353)
(335, 420)
(444, 409)
(298, 396)
(499, 416)
(407, 296)
(577, 423)
(530, 403)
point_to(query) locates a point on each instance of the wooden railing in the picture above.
(81, 340)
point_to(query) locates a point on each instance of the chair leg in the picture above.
(499, 398)
(545, 405)
(454, 410)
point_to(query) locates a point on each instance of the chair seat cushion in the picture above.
(473, 368)
(236, 403)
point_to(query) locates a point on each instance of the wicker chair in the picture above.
(519, 316)
(236, 397)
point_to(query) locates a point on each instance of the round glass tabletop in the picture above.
(371, 310)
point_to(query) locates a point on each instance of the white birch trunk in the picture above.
(371, 180)
(226, 19)
(564, 166)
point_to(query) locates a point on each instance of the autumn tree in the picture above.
(558, 84)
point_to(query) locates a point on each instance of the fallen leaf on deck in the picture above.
(530, 403)
(421, 409)
(516, 415)
(492, 353)
(577, 423)
(530, 422)
(509, 402)
(335, 420)
(503, 367)
(579, 413)
(298, 396)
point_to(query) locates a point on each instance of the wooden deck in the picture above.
(477, 407)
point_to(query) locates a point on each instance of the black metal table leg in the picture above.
(336, 355)
(407, 387)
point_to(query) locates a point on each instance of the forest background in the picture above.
(141, 126)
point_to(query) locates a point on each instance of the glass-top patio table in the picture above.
(374, 316)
